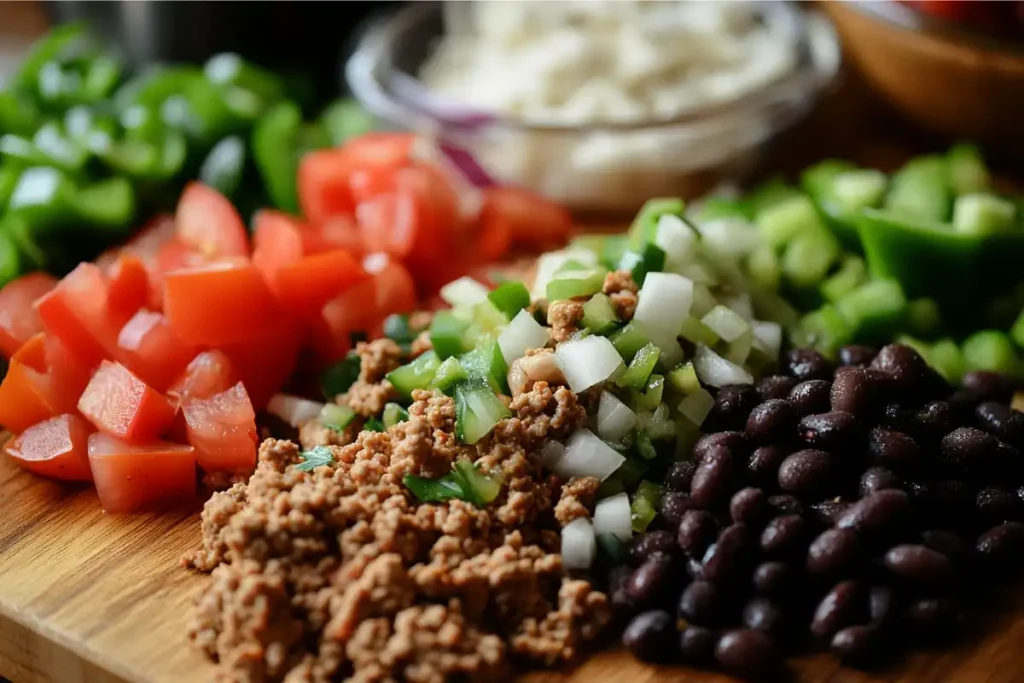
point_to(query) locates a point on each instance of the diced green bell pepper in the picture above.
(966, 169)
(920, 191)
(273, 144)
(945, 356)
(824, 329)
(640, 368)
(344, 119)
(10, 260)
(487, 363)
(990, 350)
(510, 297)
(628, 341)
(648, 258)
(874, 311)
(923, 317)
(108, 203)
(448, 374)
(415, 375)
(448, 334)
(852, 273)
(599, 315)
(42, 196)
(223, 167)
(646, 222)
(477, 410)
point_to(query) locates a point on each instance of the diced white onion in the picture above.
(613, 516)
(767, 336)
(588, 456)
(700, 273)
(696, 406)
(703, 301)
(614, 418)
(677, 239)
(551, 452)
(664, 303)
(579, 544)
(464, 291)
(741, 305)
(521, 334)
(729, 238)
(716, 371)
(725, 323)
(549, 263)
(294, 410)
(588, 361)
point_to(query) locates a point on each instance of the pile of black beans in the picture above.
(848, 508)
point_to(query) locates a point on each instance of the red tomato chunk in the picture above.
(57, 448)
(122, 405)
(18, 318)
(222, 429)
(132, 477)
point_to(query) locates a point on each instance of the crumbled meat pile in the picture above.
(341, 574)
(565, 316)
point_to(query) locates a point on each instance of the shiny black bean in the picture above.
(827, 512)
(893, 449)
(811, 397)
(774, 579)
(904, 367)
(673, 506)
(881, 606)
(942, 500)
(1002, 547)
(994, 505)
(733, 404)
(775, 386)
(697, 530)
(680, 475)
(712, 481)
(785, 536)
(931, 617)
(764, 462)
(948, 543)
(727, 558)
(834, 431)
(968, 450)
(749, 506)
(650, 543)
(807, 364)
(897, 416)
(982, 385)
(807, 472)
(767, 616)
(934, 420)
(856, 354)
(650, 635)
(1001, 421)
(835, 552)
(749, 654)
(649, 579)
(854, 391)
(885, 513)
(700, 603)
(731, 441)
(772, 421)
(842, 606)
(1008, 461)
(856, 646)
(878, 479)
(919, 565)
(785, 504)
(623, 606)
(697, 645)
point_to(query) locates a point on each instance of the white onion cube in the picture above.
(614, 516)
(588, 361)
(716, 371)
(588, 456)
(579, 544)
(521, 334)
(614, 418)
(664, 303)
(465, 291)
(696, 406)
(725, 323)
(767, 336)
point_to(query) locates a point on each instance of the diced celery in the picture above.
(920, 190)
(448, 335)
(782, 221)
(599, 315)
(966, 169)
(448, 374)
(640, 368)
(983, 214)
(487, 363)
(763, 268)
(696, 406)
(683, 378)
(859, 189)
(808, 257)
(851, 274)
(477, 410)
(695, 331)
(629, 340)
(923, 317)
(948, 360)
(415, 375)
(510, 297)
(650, 398)
(990, 350)
(393, 414)
(575, 283)
(1017, 331)
(336, 417)
(646, 221)
(724, 322)
(874, 309)
(824, 329)
(649, 258)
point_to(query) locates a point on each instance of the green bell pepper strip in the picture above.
(223, 167)
(9, 174)
(274, 153)
(920, 191)
(966, 169)
(42, 196)
(18, 114)
(200, 112)
(32, 256)
(229, 69)
(101, 77)
(10, 260)
(510, 297)
(60, 151)
(50, 48)
(108, 204)
(344, 119)
(990, 350)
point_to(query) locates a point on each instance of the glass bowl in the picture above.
(608, 167)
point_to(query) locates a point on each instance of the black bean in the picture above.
(919, 565)
(806, 472)
(623, 606)
(727, 558)
(1008, 461)
(832, 431)
(931, 617)
(898, 417)
(673, 506)
(842, 606)
(700, 603)
(649, 579)
(650, 543)
(732, 441)
(893, 449)
(785, 504)
(1002, 545)
(749, 654)
(680, 475)
(697, 645)
(713, 478)
(835, 552)
(784, 536)
(903, 366)
(934, 420)
(827, 512)
(774, 579)
(807, 364)
(764, 462)
(749, 506)
(697, 530)
(767, 616)
(650, 635)
(885, 513)
(770, 422)
(856, 354)
(995, 505)
(968, 450)
(1001, 421)
(811, 397)
(948, 543)
(881, 606)
(982, 385)
(854, 391)
(856, 645)
(775, 386)
(733, 404)
(878, 479)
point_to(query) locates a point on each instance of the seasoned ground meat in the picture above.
(421, 344)
(564, 318)
(341, 574)
(622, 290)
(315, 433)
(371, 390)
(577, 499)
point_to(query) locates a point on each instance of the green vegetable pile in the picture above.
(928, 256)
(87, 149)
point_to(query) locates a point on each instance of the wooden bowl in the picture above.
(952, 81)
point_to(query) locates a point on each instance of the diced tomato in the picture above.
(146, 244)
(128, 287)
(277, 240)
(356, 309)
(176, 255)
(392, 290)
(25, 392)
(209, 223)
(122, 405)
(323, 345)
(207, 374)
(222, 303)
(18, 317)
(339, 232)
(133, 477)
(493, 237)
(57, 448)
(222, 429)
(151, 350)
(77, 313)
(264, 362)
(68, 376)
(532, 220)
(370, 181)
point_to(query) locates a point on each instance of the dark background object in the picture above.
(308, 38)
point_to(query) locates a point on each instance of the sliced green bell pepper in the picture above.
(223, 167)
(344, 119)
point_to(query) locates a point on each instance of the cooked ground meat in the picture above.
(564, 318)
(622, 290)
(340, 573)
(371, 390)
(421, 344)
(577, 500)
(315, 433)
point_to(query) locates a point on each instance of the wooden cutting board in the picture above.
(87, 597)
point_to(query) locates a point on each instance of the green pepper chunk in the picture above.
(10, 261)
(920, 191)
(18, 115)
(645, 224)
(448, 334)
(990, 350)
(222, 169)
(344, 119)
(339, 377)
(510, 297)
(229, 69)
(966, 169)
(415, 375)
(107, 204)
(42, 196)
(273, 150)
(51, 48)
